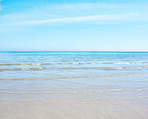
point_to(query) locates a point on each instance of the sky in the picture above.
(74, 25)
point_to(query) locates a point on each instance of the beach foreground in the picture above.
(106, 109)
(73, 85)
(99, 108)
(45, 99)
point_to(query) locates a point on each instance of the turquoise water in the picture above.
(59, 64)
(72, 75)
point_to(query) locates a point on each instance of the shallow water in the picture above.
(87, 85)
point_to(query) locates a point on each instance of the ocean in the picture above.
(112, 84)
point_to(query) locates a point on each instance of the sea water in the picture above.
(53, 77)
(53, 64)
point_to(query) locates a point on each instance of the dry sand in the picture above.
(107, 108)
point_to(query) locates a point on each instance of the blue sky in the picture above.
(96, 25)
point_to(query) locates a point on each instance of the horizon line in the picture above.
(68, 51)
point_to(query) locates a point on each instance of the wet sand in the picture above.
(92, 98)
(73, 85)
(111, 108)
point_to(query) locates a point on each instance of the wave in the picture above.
(118, 62)
(25, 64)
(75, 92)
(65, 68)
(127, 62)
(103, 63)
(69, 63)
(76, 63)
(105, 68)
(4, 70)
(75, 77)
(20, 69)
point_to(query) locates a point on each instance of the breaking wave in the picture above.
(75, 77)
(20, 69)
(66, 68)
(75, 63)
(74, 92)
(25, 64)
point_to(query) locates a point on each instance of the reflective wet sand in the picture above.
(73, 85)
(83, 98)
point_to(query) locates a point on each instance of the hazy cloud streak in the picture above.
(92, 18)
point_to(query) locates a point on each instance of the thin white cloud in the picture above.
(76, 13)
(80, 19)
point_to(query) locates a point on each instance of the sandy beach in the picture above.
(105, 108)
(60, 85)
(57, 99)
